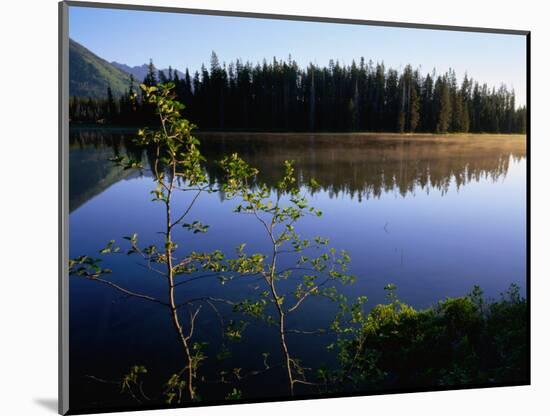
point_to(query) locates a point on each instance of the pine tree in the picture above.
(112, 113)
(443, 104)
(151, 77)
(414, 106)
(311, 98)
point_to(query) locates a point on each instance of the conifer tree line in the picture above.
(281, 96)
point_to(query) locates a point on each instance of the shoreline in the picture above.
(367, 134)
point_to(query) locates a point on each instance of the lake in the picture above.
(432, 215)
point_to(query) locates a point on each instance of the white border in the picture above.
(29, 206)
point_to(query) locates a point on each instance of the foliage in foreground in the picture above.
(177, 168)
(459, 341)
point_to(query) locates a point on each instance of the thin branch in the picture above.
(125, 291)
(101, 380)
(307, 383)
(151, 268)
(308, 293)
(205, 299)
(316, 332)
(220, 317)
(192, 317)
(204, 276)
(188, 209)
(267, 227)
(309, 269)
(140, 385)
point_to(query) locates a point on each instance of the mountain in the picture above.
(140, 71)
(90, 75)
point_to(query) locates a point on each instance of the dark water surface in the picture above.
(433, 215)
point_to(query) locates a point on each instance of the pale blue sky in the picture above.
(184, 40)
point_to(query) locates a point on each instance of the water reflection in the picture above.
(416, 231)
(357, 166)
(90, 170)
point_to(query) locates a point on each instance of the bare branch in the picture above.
(307, 383)
(125, 291)
(217, 312)
(101, 380)
(188, 208)
(298, 331)
(151, 268)
(205, 299)
(204, 276)
(192, 317)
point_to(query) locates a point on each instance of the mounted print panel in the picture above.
(261, 208)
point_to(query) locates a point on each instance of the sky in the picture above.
(187, 41)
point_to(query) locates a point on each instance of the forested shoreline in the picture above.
(281, 96)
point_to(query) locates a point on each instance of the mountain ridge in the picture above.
(140, 71)
(91, 75)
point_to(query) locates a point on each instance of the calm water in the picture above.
(434, 216)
